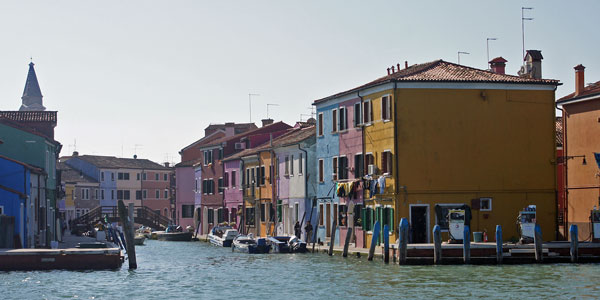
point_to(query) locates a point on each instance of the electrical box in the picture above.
(456, 224)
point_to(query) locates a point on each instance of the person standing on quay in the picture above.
(297, 230)
(308, 229)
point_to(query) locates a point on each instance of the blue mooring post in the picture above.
(386, 244)
(499, 250)
(537, 240)
(437, 244)
(374, 238)
(467, 244)
(402, 241)
(574, 242)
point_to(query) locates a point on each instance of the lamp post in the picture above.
(488, 50)
(523, 19)
(459, 53)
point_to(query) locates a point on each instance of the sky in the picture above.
(146, 77)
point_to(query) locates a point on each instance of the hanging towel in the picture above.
(381, 182)
(373, 188)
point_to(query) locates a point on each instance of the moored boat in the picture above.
(247, 244)
(173, 233)
(286, 244)
(222, 236)
(139, 240)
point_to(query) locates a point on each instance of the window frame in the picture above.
(320, 127)
(334, 120)
(358, 112)
(334, 170)
(321, 167)
(386, 108)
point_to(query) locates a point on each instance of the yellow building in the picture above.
(445, 135)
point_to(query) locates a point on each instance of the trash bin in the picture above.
(478, 237)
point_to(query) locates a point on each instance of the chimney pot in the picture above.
(498, 65)
(398, 65)
(406, 64)
(166, 164)
(388, 71)
(75, 153)
(579, 79)
(266, 122)
(393, 70)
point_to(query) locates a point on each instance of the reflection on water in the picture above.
(196, 270)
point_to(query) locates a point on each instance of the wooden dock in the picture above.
(67, 259)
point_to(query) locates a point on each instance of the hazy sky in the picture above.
(156, 73)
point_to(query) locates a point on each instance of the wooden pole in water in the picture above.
(402, 241)
(332, 234)
(386, 244)
(539, 257)
(437, 245)
(499, 250)
(128, 228)
(573, 230)
(347, 242)
(374, 238)
(467, 244)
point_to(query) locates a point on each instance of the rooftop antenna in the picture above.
(270, 104)
(305, 115)
(488, 51)
(250, 104)
(459, 53)
(135, 147)
(523, 19)
(312, 111)
(73, 146)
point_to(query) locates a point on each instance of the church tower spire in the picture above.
(32, 95)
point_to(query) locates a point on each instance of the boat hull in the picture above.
(174, 236)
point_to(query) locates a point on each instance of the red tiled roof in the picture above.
(207, 139)
(121, 163)
(443, 71)
(293, 136)
(189, 163)
(30, 116)
(590, 90)
(237, 136)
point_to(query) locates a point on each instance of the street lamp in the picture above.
(459, 53)
(563, 159)
(488, 50)
(523, 19)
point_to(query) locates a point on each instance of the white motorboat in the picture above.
(247, 244)
(222, 236)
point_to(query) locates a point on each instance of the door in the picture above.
(419, 224)
(328, 219)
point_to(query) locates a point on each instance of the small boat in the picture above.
(222, 236)
(139, 240)
(286, 244)
(247, 244)
(173, 233)
(145, 231)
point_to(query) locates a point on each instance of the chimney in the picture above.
(533, 65)
(498, 65)
(579, 79)
(388, 71)
(398, 66)
(75, 153)
(166, 164)
(406, 64)
(393, 69)
(266, 122)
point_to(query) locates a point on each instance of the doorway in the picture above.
(327, 219)
(419, 223)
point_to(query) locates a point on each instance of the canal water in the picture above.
(197, 270)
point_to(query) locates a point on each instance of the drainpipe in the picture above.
(244, 186)
(396, 174)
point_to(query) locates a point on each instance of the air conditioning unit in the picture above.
(372, 169)
(240, 146)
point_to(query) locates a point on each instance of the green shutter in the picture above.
(391, 219)
(363, 217)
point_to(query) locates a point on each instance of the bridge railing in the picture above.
(141, 214)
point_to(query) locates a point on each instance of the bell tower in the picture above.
(32, 95)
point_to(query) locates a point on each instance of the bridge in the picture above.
(141, 215)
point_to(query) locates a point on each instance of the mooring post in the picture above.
(386, 244)
(128, 228)
(347, 242)
(402, 241)
(539, 255)
(374, 238)
(332, 241)
(499, 250)
(574, 242)
(437, 245)
(467, 244)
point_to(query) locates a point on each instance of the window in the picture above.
(208, 157)
(138, 195)
(370, 160)
(112, 194)
(219, 215)
(144, 176)
(187, 211)
(233, 173)
(262, 175)
(119, 195)
(367, 218)
(122, 176)
(85, 194)
(386, 162)
(137, 176)
(101, 176)
(226, 179)
(367, 111)
(359, 166)
(96, 194)
(357, 115)
(334, 120)
(157, 194)
(357, 215)
(126, 195)
(342, 167)
(102, 194)
(220, 153)
(221, 186)
(263, 212)
(156, 176)
(112, 176)
(211, 216)
(249, 216)
(292, 166)
(165, 177)
(485, 204)
(343, 125)
(300, 162)
(287, 166)
(334, 167)
(253, 180)
(271, 174)
(321, 179)
(166, 194)
(144, 194)
(320, 125)
(386, 108)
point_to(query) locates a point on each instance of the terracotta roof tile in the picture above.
(293, 136)
(442, 71)
(30, 116)
(590, 90)
(124, 163)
